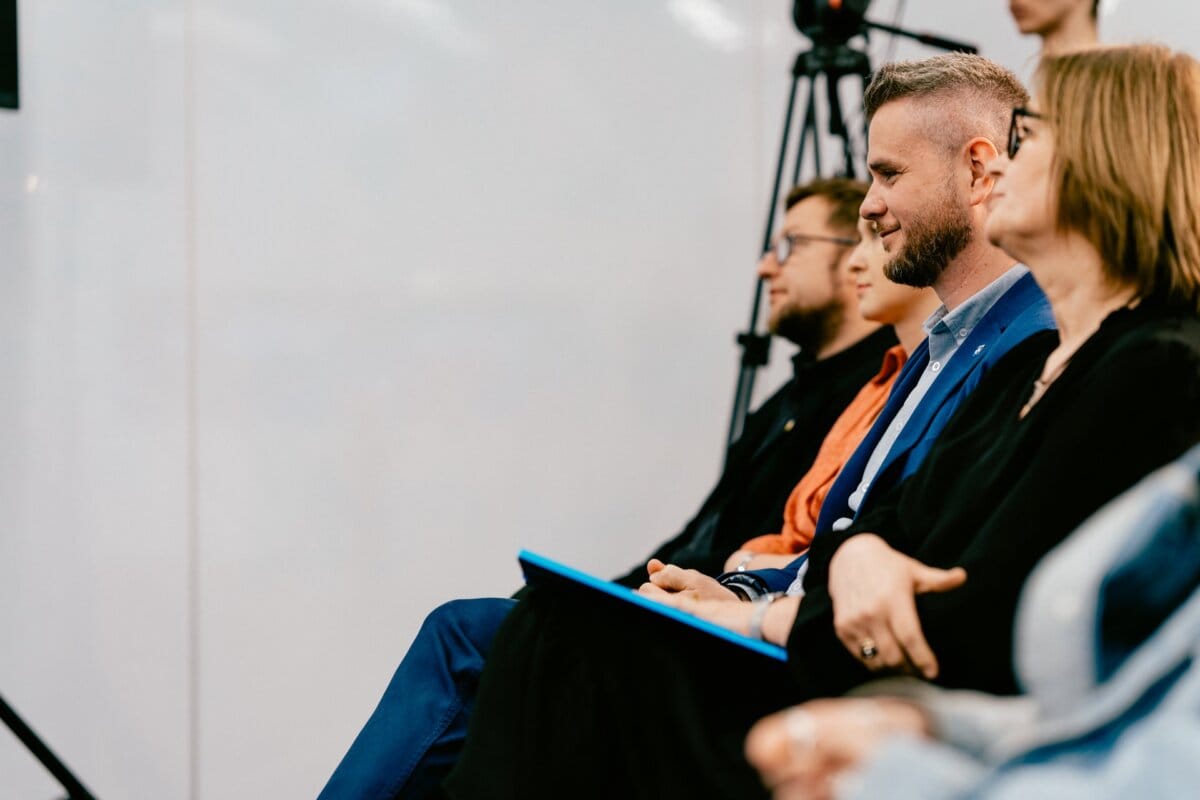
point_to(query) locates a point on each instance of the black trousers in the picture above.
(583, 699)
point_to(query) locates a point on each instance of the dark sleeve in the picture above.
(1131, 415)
(882, 515)
(818, 660)
(749, 478)
(1136, 416)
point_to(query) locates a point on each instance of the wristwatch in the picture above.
(761, 605)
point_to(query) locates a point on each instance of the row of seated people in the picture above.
(1050, 247)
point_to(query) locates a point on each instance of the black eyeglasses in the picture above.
(788, 243)
(1016, 134)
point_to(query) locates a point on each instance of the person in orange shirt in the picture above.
(879, 300)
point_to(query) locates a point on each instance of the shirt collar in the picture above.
(867, 347)
(961, 321)
(893, 361)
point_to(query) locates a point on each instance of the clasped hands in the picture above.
(873, 589)
(693, 591)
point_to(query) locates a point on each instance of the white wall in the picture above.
(302, 303)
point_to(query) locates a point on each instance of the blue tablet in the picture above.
(540, 570)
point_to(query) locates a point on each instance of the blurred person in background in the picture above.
(1062, 25)
(881, 300)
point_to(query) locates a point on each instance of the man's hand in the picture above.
(800, 753)
(874, 589)
(732, 612)
(672, 580)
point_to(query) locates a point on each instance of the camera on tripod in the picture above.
(830, 23)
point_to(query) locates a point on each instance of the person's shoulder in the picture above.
(1154, 329)
(1149, 340)
(1023, 311)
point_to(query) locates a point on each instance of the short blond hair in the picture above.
(1126, 124)
(976, 95)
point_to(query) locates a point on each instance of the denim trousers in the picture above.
(415, 734)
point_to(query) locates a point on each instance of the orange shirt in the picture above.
(804, 504)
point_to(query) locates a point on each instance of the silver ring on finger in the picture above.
(868, 649)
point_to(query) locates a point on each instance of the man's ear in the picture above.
(980, 152)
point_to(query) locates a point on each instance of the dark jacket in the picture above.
(1020, 314)
(777, 447)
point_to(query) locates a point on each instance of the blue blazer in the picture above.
(1020, 312)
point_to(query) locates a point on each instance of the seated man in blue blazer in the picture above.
(990, 306)
(963, 344)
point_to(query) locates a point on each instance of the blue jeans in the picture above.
(413, 739)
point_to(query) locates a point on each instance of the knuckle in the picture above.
(844, 622)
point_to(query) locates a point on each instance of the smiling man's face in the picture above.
(923, 219)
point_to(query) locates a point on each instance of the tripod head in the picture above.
(830, 24)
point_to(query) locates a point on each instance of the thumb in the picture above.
(670, 577)
(654, 565)
(930, 579)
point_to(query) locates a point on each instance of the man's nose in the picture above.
(872, 206)
(767, 265)
(996, 167)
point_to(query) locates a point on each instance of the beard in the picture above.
(809, 328)
(930, 244)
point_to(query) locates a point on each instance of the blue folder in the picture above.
(540, 570)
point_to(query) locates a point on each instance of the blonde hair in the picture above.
(983, 94)
(1126, 123)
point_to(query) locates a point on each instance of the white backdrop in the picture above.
(313, 313)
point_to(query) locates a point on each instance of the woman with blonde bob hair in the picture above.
(1126, 123)
(1100, 197)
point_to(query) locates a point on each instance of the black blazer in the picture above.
(776, 449)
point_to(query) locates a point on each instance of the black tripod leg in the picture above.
(756, 346)
(75, 789)
(837, 122)
(808, 129)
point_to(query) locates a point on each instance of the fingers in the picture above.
(896, 643)
(654, 565)
(874, 646)
(906, 627)
(930, 579)
(672, 578)
(652, 591)
(782, 747)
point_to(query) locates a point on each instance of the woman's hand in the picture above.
(874, 589)
(672, 580)
(801, 752)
